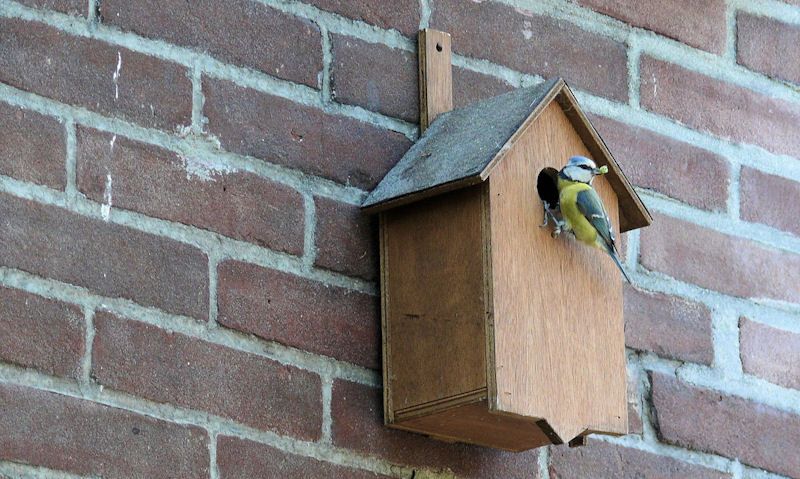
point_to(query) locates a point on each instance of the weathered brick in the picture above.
(32, 147)
(279, 131)
(762, 197)
(243, 459)
(385, 79)
(771, 353)
(763, 44)
(720, 262)
(242, 32)
(610, 461)
(163, 184)
(669, 326)
(71, 7)
(709, 421)
(535, 44)
(41, 333)
(723, 109)
(693, 175)
(402, 15)
(357, 413)
(107, 258)
(699, 24)
(346, 239)
(83, 72)
(298, 312)
(82, 437)
(470, 86)
(166, 367)
(635, 425)
(375, 77)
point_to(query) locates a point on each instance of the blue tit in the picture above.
(582, 209)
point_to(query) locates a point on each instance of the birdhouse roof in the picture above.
(461, 148)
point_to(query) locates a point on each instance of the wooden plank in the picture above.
(558, 328)
(434, 299)
(388, 409)
(435, 75)
(474, 424)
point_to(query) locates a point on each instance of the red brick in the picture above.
(720, 262)
(242, 32)
(357, 413)
(347, 239)
(699, 24)
(71, 7)
(279, 131)
(41, 333)
(723, 109)
(299, 312)
(709, 421)
(80, 71)
(470, 86)
(763, 44)
(243, 459)
(609, 461)
(385, 79)
(535, 44)
(375, 77)
(656, 162)
(770, 353)
(167, 367)
(45, 429)
(669, 326)
(762, 196)
(32, 147)
(110, 259)
(160, 183)
(402, 15)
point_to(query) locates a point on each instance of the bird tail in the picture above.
(613, 253)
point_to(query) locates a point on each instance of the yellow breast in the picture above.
(568, 197)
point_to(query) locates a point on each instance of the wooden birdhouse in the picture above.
(494, 332)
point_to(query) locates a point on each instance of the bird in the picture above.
(582, 210)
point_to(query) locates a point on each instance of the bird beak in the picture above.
(600, 171)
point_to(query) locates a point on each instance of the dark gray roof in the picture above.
(460, 144)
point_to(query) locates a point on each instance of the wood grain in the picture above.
(433, 299)
(474, 424)
(633, 212)
(557, 328)
(435, 75)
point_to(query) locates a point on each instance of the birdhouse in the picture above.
(494, 332)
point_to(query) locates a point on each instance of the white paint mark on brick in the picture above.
(116, 74)
(526, 30)
(107, 198)
(203, 169)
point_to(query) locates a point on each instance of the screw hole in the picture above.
(438, 47)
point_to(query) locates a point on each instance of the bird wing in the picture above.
(591, 206)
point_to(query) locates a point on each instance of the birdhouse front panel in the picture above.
(558, 332)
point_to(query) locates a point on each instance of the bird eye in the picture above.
(585, 167)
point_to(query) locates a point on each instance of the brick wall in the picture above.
(188, 289)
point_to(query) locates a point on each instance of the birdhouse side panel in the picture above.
(558, 324)
(433, 299)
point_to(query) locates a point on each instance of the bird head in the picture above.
(580, 168)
